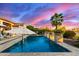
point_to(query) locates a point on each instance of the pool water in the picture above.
(36, 44)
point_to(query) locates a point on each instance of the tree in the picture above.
(57, 19)
(32, 28)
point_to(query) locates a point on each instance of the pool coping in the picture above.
(74, 50)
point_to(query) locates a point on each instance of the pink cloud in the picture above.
(50, 12)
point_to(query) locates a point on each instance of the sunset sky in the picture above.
(38, 14)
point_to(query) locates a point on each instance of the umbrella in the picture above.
(20, 30)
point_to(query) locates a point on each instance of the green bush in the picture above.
(77, 45)
(69, 34)
(76, 37)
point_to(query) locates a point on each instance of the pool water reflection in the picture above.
(36, 44)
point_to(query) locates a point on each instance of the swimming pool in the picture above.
(35, 44)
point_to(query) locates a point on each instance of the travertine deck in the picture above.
(9, 42)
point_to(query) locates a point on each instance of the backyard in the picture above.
(39, 29)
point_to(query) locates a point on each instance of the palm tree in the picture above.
(57, 19)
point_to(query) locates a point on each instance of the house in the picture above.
(8, 25)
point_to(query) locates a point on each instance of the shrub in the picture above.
(69, 34)
(76, 37)
(77, 45)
